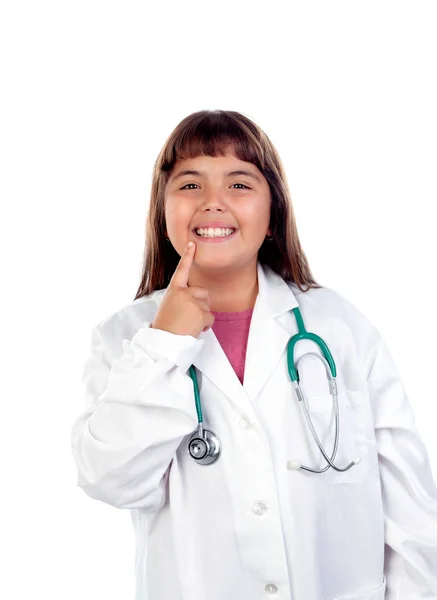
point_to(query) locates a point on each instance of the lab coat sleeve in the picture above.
(408, 489)
(138, 409)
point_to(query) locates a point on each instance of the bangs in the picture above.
(214, 135)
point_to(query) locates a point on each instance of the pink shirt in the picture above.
(232, 331)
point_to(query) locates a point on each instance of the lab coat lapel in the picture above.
(266, 343)
(267, 337)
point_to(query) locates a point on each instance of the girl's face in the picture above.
(213, 193)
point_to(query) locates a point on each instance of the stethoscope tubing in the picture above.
(205, 446)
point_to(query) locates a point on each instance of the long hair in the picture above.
(211, 133)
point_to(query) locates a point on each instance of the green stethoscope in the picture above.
(205, 446)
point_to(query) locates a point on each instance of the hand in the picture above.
(184, 310)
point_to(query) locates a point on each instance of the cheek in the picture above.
(176, 209)
(258, 213)
(178, 217)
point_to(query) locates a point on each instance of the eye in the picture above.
(245, 186)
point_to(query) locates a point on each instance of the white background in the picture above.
(345, 90)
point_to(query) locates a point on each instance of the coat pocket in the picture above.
(377, 594)
(352, 441)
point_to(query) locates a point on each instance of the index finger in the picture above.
(182, 271)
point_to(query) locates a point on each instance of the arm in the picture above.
(408, 489)
(138, 411)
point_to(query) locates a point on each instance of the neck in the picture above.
(230, 291)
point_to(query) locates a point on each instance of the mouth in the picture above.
(214, 239)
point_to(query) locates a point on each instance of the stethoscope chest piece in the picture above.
(204, 447)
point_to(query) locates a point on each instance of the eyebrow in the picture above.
(201, 174)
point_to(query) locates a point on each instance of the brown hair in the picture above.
(211, 133)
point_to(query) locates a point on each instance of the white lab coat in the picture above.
(249, 527)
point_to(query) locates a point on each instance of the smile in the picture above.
(223, 236)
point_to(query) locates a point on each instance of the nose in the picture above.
(213, 203)
(213, 198)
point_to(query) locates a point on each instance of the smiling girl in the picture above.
(259, 513)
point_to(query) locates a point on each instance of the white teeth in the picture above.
(214, 232)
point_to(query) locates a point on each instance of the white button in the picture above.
(259, 508)
(271, 588)
(244, 423)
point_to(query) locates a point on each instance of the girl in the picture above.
(195, 421)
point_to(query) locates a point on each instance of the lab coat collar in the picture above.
(268, 338)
